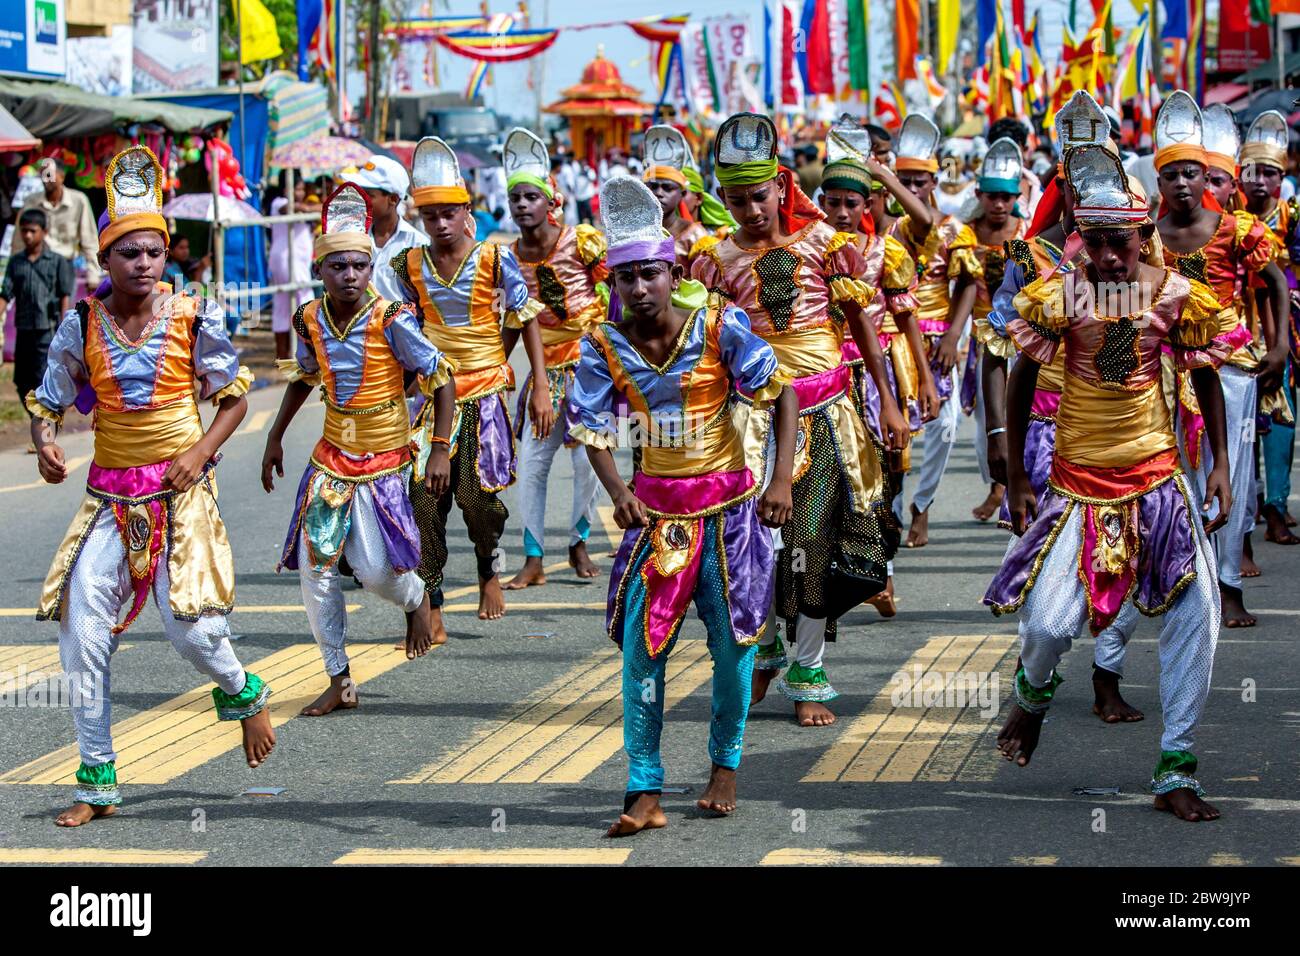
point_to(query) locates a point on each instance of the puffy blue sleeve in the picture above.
(65, 371)
(414, 352)
(751, 361)
(520, 308)
(216, 364)
(594, 394)
(1013, 280)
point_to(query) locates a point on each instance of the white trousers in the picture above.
(98, 588)
(1056, 610)
(322, 591)
(938, 438)
(534, 470)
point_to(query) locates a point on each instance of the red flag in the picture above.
(820, 75)
(1018, 14)
(907, 29)
(1234, 16)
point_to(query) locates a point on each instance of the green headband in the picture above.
(847, 175)
(694, 181)
(747, 174)
(532, 179)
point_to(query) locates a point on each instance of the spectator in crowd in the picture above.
(40, 283)
(176, 271)
(809, 168)
(582, 181)
(290, 262)
(386, 182)
(71, 231)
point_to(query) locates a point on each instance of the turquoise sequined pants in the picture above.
(643, 678)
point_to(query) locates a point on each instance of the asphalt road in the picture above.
(505, 744)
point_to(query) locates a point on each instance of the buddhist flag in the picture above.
(907, 30)
(258, 37)
(859, 76)
(948, 15)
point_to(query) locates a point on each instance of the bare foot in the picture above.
(259, 737)
(918, 535)
(82, 813)
(809, 713)
(720, 795)
(1249, 569)
(437, 627)
(760, 682)
(1277, 530)
(644, 814)
(989, 506)
(1108, 703)
(1186, 805)
(419, 630)
(530, 575)
(1234, 609)
(341, 695)
(581, 562)
(491, 602)
(884, 601)
(1290, 522)
(1018, 737)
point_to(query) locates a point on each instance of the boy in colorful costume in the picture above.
(850, 175)
(462, 288)
(786, 269)
(667, 156)
(1263, 164)
(1051, 246)
(996, 222)
(564, 267)
(1118, 519)
(1222, 250)
(692, 513)
(352, 502)
(942, 249)
(149, 521)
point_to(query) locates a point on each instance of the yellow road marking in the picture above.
(83, 855)
(567, 729)
(70, 463)
(256, 422)
(161, 744)
(595, 856)
(246, 608)
(897, 744)
(612, 530)
(1289, 860)
(1226, 859)
(530, 606)
(1034, 860)
(39, 661)
(796, 857)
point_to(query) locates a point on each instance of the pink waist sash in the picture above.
(813, 390)
(1045, 403)
(685, 496)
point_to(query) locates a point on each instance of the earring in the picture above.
(1146, 247)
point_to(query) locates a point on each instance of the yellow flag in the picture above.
(949, 16)
(257, 31)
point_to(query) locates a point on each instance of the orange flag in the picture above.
(907, 28)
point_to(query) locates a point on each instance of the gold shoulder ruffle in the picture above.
(238, 388)
(518, 318)
(987, 336)
(293, 372)
(580, 432)
(440, 377)
(1042, 304)
(1203, 317)
(703, 243)
(844, 289)
(899, 269)
(839, 241)
(40, 411)
(591, 243)
(766, 395)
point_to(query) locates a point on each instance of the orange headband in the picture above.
(440, 195)
(671, 173)
(916, 165)
(1222, 161)
(119, 227)
(1182, 153)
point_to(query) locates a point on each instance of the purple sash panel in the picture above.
(392, 510)
(970, 377)
(1040, 444)
(496, 444)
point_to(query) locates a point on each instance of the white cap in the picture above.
(381, 172)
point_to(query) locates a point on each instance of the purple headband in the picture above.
(640, 250)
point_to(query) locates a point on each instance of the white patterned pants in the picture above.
(535, 457)
(1056, 610)
(98, 588)
(322, 591)
(940, 436)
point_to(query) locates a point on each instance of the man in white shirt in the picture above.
(72, 233)
(386, 182)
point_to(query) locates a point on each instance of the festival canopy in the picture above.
(14, 138)
(57, 110)
(198, 206)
